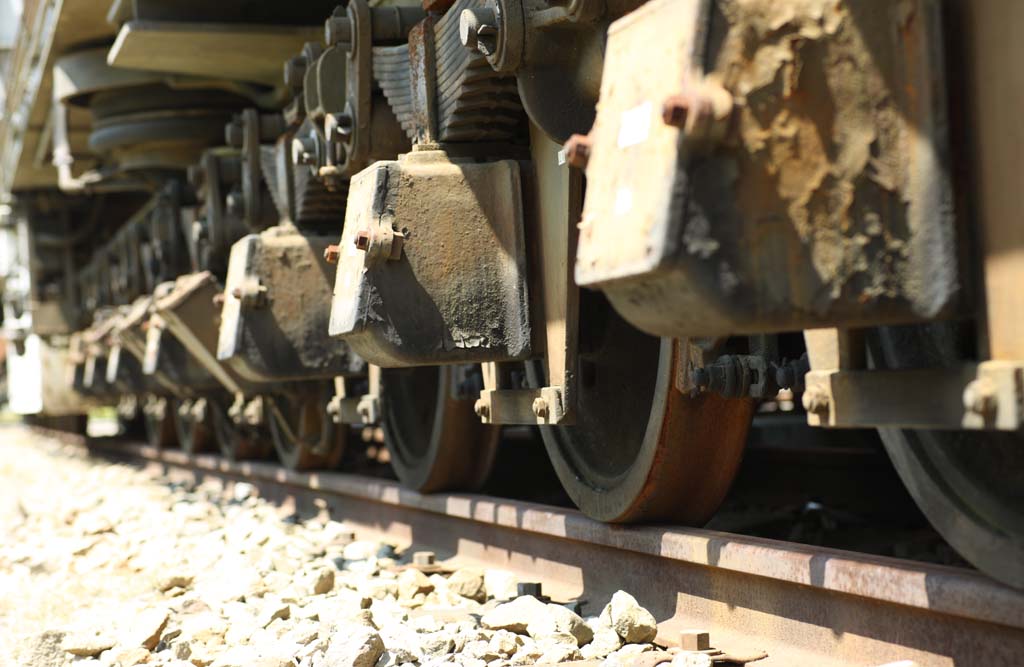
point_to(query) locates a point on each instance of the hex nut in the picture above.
(816, 401)
(577, 150)
(694, 640)
(423, 558)
(980, 397)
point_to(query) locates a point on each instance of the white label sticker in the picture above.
(635, 125)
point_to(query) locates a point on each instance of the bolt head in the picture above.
(694, 640)
(675, 110)
(980, 397)
(577, 150)
(423, 558)
(362, 239)
(234, 204)
(294, 71)
(332, 253)
(469, 29)
(815, 401)
(303, 150)
(233, 133)
(337, 29)
(482, 409)
(540, 408)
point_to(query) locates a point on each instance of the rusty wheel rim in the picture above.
(674, 456)
(303, 434)
(436, 441)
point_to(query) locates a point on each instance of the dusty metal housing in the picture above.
(796, 179)
(276, 308)
(455, 290)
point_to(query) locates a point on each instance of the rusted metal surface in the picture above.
(280, 333)
(442, 92)
(458, 292)
(800, 604)
(808, 183)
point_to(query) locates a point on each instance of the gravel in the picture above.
(103, 566)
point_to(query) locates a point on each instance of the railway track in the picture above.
(802, 605)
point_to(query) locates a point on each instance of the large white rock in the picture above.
(412, 582)
(605, 641)
(468, 583)
(557, 619)
(145, 629)
(87, 642)
(353, 646)
(625, 615)
(515, 616)
(501, 584)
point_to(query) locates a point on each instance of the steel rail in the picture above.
(803, 605)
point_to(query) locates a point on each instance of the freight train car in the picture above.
(257, 224)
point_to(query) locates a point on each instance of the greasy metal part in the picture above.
(554, 48)
(737, 376)
(805, 606)
(215, 225)
(375, 132)
(273, 325)
(458, 291)
(809, 184)
(255, 130)
(441, 92)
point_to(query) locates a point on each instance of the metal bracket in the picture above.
(363, 409)
(841, 393)
(501, 404)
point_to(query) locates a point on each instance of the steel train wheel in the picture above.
(159, 425)
(641, 450)
(436, 441)
(970, 485)
(302, 431)
(238, 442)
(193, 425)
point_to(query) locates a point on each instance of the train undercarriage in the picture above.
(257, 226)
